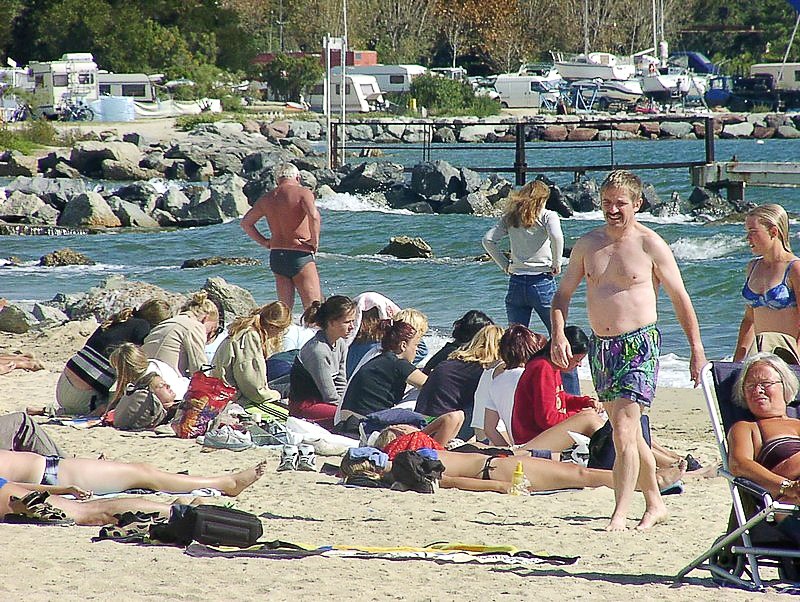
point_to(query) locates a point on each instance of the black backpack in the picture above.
(601, 445)
(211, 525)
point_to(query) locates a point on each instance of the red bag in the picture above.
(206, 398)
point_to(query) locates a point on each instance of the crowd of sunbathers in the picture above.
(487, 401)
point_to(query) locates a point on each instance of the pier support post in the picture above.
(735, 191)
(520, 165)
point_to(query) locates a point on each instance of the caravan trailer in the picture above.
(391, 78)
(139, 86)
(73, 77)
(362, 94)
(789, 74)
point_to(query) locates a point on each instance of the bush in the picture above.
(441, 94)
(12, 140)
(232, 103)
(187, 123)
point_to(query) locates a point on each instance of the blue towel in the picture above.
(377, 421)
(427, 452)
(373, 454)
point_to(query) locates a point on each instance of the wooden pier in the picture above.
(734, 176)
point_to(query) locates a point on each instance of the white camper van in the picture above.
(73, 76)
(139, 86)
(391, 78)
(362, 94)
(789, 78)
(526, 91)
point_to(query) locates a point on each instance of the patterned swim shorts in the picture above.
(626, 366)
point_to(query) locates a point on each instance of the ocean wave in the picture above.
(642, 217)
(29, 267)
(714, 247)
(388, 259)
(344, 201)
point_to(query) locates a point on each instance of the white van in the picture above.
(362, 94)
(526, 91)
(790, 78)
(73, 76)
(139, 86)
(391, 78)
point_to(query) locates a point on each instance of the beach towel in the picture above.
(442, 553)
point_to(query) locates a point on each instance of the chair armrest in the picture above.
(752, 487)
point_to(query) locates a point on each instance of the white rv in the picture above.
(526, 91)
(391, 78)
(362, 94)
(789, 77)
(139, 86)
(73, 76)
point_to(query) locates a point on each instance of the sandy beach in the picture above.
(44, 563)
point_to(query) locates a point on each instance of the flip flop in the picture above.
(674, 489)
(34, 509)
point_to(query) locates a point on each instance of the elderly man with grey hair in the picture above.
(294, 224)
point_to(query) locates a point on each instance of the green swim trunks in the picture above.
(626, 366)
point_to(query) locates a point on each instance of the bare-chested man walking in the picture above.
(294, 223)
(624, 264)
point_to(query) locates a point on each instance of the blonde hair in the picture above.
(350, 468)
(275, 315)
(525, 206)
(201, 306)
(786, 374)
(626, 180)
(154, 311)
(415, 317)
(130, 364)
(484, 347)
(772, 215)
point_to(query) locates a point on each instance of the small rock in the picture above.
(406, 247)
(216, 260)
(15, 320)
(64, 257)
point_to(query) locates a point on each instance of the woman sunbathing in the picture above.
(104, 476)
(767, 450)
(90, 512)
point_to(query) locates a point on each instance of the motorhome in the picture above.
(391, 78)
(785, 75)
(139, 86)
(526, 91)
(362, 94)
(73, 76)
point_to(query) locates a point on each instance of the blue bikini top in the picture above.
(779, 296)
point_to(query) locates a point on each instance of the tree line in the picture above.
(203, 39)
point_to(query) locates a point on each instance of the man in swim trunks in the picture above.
(624, 263)
(294, 224)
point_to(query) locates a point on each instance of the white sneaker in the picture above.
(307, 458)
(289, 457)
(226, 437)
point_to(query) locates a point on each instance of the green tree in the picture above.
(290, 77)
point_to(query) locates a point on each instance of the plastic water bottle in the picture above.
(519, 482)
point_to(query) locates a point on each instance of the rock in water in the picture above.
(64, 257)
(405, 247)
(203, 262)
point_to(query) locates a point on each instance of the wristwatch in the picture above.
(785, 484)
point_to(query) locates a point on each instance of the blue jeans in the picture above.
(534, 292)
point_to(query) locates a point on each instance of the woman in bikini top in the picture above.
(771, 320)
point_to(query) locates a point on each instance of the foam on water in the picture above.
(713, 247)
(344, 201)
(644, 216)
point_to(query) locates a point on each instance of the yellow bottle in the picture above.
(519, 482)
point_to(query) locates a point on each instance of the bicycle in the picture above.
(75, 111)
(22, 112)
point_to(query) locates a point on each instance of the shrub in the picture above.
(187, 123)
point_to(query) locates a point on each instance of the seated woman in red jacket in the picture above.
(540, 412)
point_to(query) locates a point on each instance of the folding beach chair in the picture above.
(753, 541)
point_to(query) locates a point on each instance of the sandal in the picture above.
(35, 509)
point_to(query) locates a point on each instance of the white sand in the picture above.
(42, 563)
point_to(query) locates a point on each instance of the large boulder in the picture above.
(473, 203)
(436, 178)
(676, 129)
(674, 207)
(14, 163)
(21, 208)
(143, 194)
(88, 209)
(234, 300)
(305, 129)
(130, 214)
(204, 213)
(475, 133)
(48, 314)
(737, 130)
(787, 131)
(114, 294)
(64, 257)
(554, 133)
(582, 134)
(496, 188)
(406, 247)
(87, 156)
(583, 195)
(173, 201)
(368, 177)
(126, 170)
(707, 203)
(16, 320)
(227, 191)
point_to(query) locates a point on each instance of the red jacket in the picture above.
(541, 402)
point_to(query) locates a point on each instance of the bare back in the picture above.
(621, 279)
(286, 209)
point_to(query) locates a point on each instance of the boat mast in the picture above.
(585, 27)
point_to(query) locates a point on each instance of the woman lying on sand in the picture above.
(83, 476)
(88, 512)
(19, 361)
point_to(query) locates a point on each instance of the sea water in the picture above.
(712, 257)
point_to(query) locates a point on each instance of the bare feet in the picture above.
(616, 524)
(652, 516)
(668, 476)
(242, 480)
(6, 367)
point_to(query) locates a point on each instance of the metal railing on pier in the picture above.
(526, 138)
